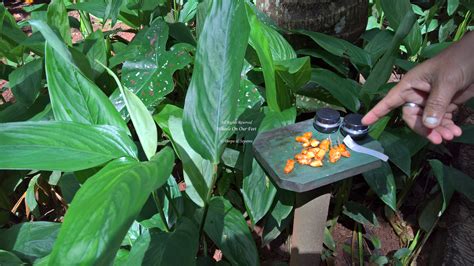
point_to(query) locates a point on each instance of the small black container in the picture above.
(327, 120)
(353, 127)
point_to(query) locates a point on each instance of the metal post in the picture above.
(308, 227)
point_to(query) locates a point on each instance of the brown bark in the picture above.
(345, 19)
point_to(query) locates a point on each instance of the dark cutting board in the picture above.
(273, 148)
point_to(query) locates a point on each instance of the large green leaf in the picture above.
(76, 98)
(31, 240)
(399, 154)
(9, 259)
(11, 36)
(450, 179)
(95, 49)
(340, 47)
(141, 118)
(105, 207)
(270, 46)
(257, 189)
(211, 100)
(25, 81)
(62, 146)
(112, 9)
(197, 170)
(334, 61)
(57, 18)
(383, 69)
(395, 12)
(229, 231)
(442, 173)
(188, 11)
(175, 248)
(344, 90)
(382, 182)
(292, 74)
(279, 217)
(149, 67)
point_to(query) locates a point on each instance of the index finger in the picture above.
(390, 102)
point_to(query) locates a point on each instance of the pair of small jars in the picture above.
(328, 121)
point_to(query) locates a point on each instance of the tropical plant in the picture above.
(106, 131)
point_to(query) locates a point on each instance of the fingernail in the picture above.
(431, 120)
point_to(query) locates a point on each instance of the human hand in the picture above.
(437, 86)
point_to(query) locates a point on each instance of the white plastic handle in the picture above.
(356, 147)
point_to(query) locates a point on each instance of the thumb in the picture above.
(438, 101)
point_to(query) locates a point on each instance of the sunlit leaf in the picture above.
(211, 99)
(104, 208)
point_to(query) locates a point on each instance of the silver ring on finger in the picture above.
(412, 105)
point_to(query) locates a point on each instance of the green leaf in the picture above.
(257, 189)
(292, 74)
(378, 128)
(249, 96)
(25, 81)
(95, 49)
(76, 98)
(344, 90)
(452, 6)
(31, 240)
(334, 61)
(433, 50)
(62, 146)
(430, 213)
(383, 69)
(360, 213)
(467, 135)
(57, 17)
(164, 113)
(442, 173)
(175, 248)
(469, 4)
(117, 193)
(229, 231)
(382, 182)
(396, 12)
(149, 67)
(53, 40)
(9, 259)
(399, 154)
(141, 117)
(279, 218)
(30, 198)
(450, 179)
(211, 100)
(329, 240)
(69, 186)
(339, 47)
(197, 170)
(112, 9)
(188, 11)
(379, 44)
(270, 46)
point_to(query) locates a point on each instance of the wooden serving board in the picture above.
(273, 148)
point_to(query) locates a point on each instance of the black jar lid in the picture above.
(327, 116)
(354, 122)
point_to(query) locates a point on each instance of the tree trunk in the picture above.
(345, 19)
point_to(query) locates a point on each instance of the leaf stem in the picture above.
(360, 245)
(206, 203)
(159, 206)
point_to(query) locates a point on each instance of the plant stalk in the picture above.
(159, 206)
(206, 204)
